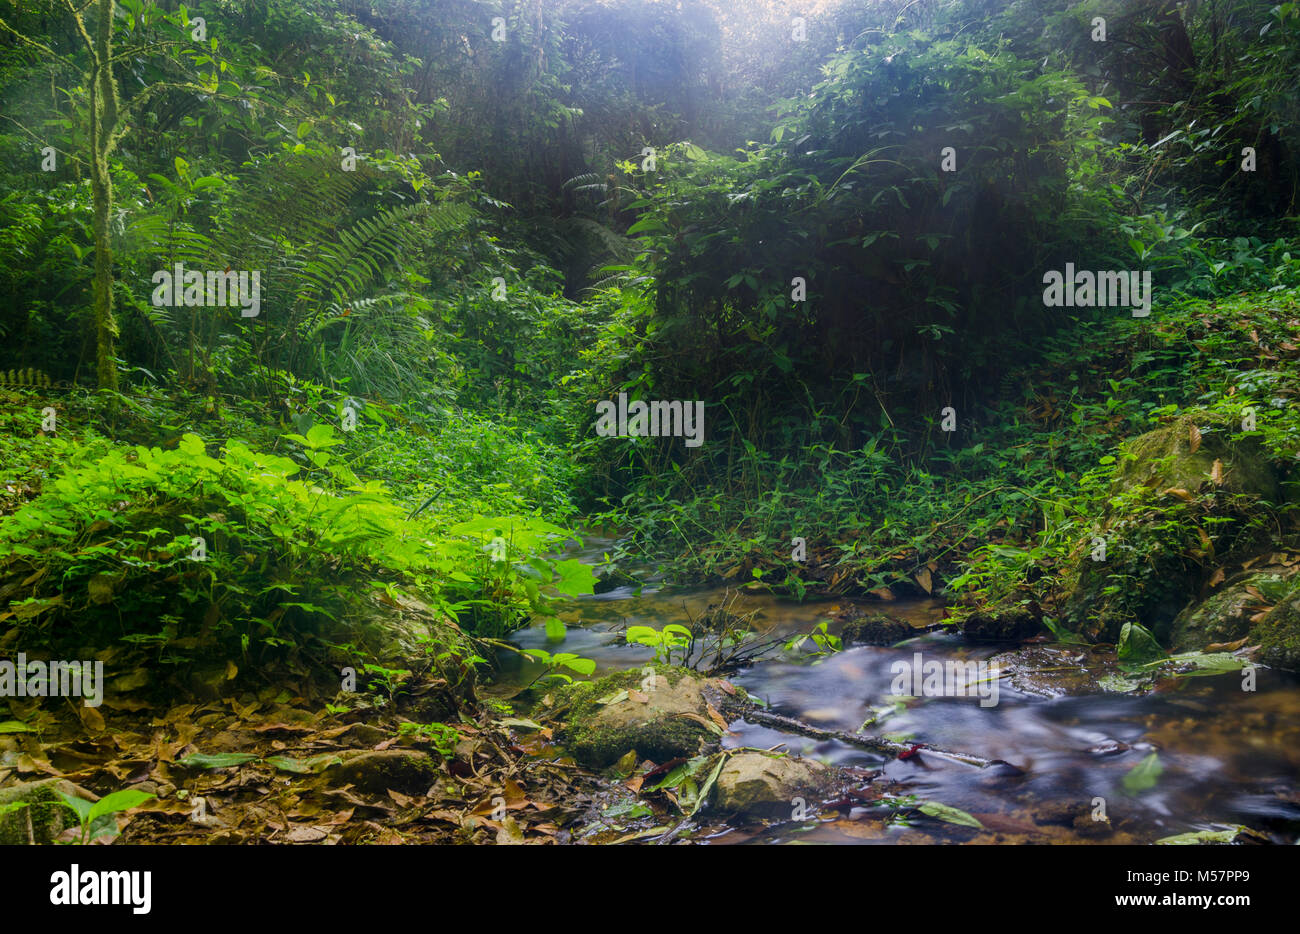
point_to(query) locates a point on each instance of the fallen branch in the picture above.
(870, 743)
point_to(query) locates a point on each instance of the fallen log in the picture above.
(871, 743)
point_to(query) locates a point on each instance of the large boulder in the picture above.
(1225, 615)
(1153, 522)
(1007, 621)
(1173, 457)
(1278, 633)
(665, 716)
(756, 784)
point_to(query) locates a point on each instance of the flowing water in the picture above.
(1226, 757)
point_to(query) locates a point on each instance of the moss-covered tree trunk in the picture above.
(103, 122)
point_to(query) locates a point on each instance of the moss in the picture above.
(1278, 634)
(1224, 616)
(598, 735)
(876, 629)
(44, 818)
(1156, 556)
(1006, 622)
(1164, 458)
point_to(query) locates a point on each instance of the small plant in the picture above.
(583, 666)
(665, 642)
(826, 644)
(390, 680)
(97, 818)
(443, 737)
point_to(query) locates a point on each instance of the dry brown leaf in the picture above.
(1217, 577)
(1180, 493)
(1206, 544)
(1216, 472)
(91, 719)
(1226, 646)
(923, 578)
(695, 717)
(1194, 438)
(633, 694)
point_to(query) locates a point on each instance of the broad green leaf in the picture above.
(15, 726)
(1137, 646)
(122, 800)
(583, 666)
(575, 578)
(950, 814)
(1143, 775)
(79, 805)
(1117, 684)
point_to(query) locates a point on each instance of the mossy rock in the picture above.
(44, 817)
(377, 771)
(667, 720)
(1164, 459)
(1002, 623)
(876, 629)
(1278, 633)
(756, 784)
(1224, 616)
(1150, 569)
(613, 579)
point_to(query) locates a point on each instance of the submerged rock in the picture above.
(1056, 671)
(756, 784)
(663, 716)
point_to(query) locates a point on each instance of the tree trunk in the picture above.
(103, 121)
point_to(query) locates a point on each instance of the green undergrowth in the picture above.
(1019, 484)
(229, 549)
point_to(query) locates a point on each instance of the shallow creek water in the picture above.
(1227, 757)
